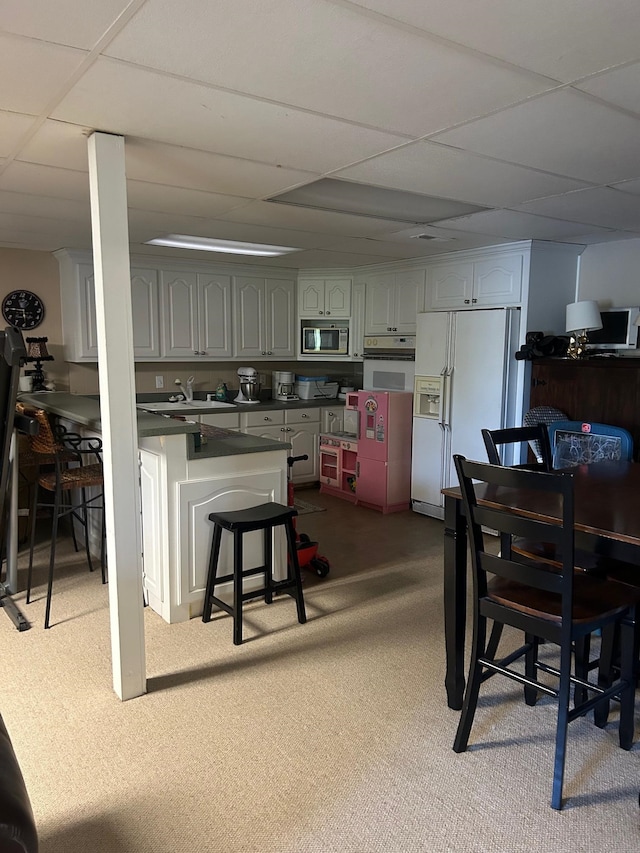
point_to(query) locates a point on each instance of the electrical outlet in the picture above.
(159, 381)
(262, 378)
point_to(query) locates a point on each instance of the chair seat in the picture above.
(254, 518)
(73, 478)
(545, 552)
(593, 598)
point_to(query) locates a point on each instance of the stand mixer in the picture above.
(249, 385)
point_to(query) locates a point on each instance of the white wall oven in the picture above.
(389, 363)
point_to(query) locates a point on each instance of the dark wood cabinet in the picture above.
(603, 391)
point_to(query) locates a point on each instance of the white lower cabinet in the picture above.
(300, 427)
(332, 419)
(178, 494)
(226, 420)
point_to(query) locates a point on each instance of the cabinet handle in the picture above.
(304, 416)
(283, 429)
(536, 382)
(266, 418)
(474, 300)
(328, 312)
(195, 352)
(320, 312)
(331, 414)
(467, 301)
(270, 352)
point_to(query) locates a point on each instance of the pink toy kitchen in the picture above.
(369, 462)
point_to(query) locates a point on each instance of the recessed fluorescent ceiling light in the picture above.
(378, 202)
(230, 247)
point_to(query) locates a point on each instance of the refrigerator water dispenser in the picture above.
(427, 396)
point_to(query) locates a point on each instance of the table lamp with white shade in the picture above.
(582, 317)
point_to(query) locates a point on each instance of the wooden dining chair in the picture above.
(536, 436)
(558, 607)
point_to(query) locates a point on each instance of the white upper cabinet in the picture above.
(197, 315)
(489, 282)
(264, 312)
(324, 297)
(356, 333)
(392, 302)
(78, 302)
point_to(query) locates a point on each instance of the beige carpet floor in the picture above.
(331, 736)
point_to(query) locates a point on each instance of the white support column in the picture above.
(110, 231)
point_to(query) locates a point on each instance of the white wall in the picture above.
(610, 274)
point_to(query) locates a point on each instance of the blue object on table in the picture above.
(583, 443)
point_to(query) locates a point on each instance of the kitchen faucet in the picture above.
(188, 391)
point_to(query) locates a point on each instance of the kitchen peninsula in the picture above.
(182, 481)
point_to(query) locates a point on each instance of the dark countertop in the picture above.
(262, 406)
(85, 410)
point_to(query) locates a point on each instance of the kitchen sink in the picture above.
(183, 405)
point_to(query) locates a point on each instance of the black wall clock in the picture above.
(23, 309)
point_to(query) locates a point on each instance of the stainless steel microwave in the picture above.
(325, 339)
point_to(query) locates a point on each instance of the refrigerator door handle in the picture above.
(443, 385)
(446, 394)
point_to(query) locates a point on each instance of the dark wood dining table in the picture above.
(606, 521)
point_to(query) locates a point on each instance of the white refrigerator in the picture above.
(466, 380)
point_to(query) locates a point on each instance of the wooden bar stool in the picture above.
(262, 517)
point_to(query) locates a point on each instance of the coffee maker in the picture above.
(283, 385)
(249, 385)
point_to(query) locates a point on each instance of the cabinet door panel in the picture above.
(409, 300)
(450, 285)
(214, 298)
(303, 440)
(311, 298)
(146, 313)
(280, 325)
(380, 304)
(180, 299)
(337, 297)
(356, 333)
(498, 281)
(88, 331)
(249, 304)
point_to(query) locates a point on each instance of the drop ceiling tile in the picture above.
(77, 23)
(164, 199)
(36, 71)
(632, 186)
(425, 167)
(373, 73)
(131, 101)
(563, 132)
(202, 170)
(326, 259)
(305, 219)
(57, 143)
(515, 225)
(563, 40)
(379, 248)
(65, 231)
(145, 225)
(621, 86)
(35, 179)
(601, 206)
(21, 204)
(13, 127)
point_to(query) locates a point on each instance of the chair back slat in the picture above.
(495, 482)
(536, 436)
